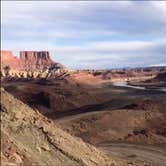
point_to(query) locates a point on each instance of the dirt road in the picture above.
(154, 155)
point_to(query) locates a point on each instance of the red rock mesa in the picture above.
(8, 59)
(32, 60)
(28, 60)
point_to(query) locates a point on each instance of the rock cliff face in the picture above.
(30, 64)
(8, 59)
(32, 60)
(28, 60)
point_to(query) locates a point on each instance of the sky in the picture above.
(88, 34)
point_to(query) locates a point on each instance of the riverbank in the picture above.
(141, 86)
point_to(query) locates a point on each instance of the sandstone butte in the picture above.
(28, 60)
(8, 59)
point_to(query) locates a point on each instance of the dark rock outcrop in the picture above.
(161, 76)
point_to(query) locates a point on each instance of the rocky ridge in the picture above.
(30, 138)
(30, 64)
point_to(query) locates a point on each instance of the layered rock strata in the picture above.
(30, 64)
(35, 60)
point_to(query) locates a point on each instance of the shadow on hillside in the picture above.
(64, 97)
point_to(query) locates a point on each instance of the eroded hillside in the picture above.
(28, 138)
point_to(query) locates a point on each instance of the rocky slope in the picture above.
(161, 77)
(28, 138)
(157, 82)
(125, 125)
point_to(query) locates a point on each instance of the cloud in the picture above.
(130, 18)
(88, 34)
(115, 54)
(101, 54)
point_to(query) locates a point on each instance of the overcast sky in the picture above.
(84, 34)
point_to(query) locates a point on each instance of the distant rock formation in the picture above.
(142, 73)
(30, 64)
(8, 59)
(35, 60)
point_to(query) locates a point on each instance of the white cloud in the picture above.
(18, 46)
(159, 64)
(112, 54)
(160, 7)
(80, 33)
(120, 17)
(100, 54)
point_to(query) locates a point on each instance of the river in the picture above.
(124, 84)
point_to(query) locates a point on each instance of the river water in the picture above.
(124, 84)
